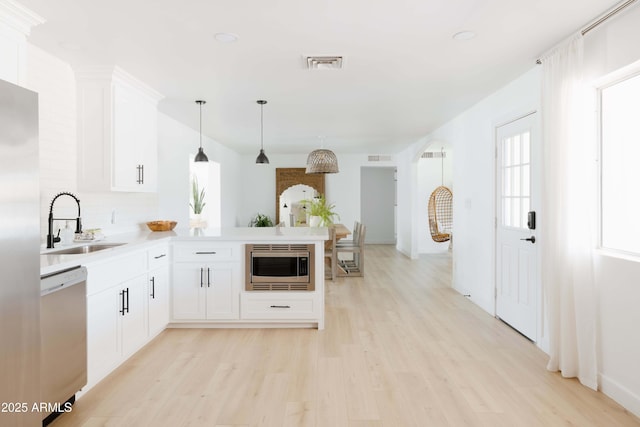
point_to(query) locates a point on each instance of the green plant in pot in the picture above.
(320, 208)
(198, 197)
(261, 220)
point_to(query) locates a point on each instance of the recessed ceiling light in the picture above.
(226, 37)
(464, 35)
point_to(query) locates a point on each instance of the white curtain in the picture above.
(568, 208)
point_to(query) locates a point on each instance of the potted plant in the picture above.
(321, 212)
(198, 198)
(261, 220)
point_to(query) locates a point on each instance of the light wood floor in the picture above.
(401, 348)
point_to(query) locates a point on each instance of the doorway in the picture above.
(378, 204)
(517, 200)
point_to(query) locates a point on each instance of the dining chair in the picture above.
(353, 267)
(354, 240)
(330, 253)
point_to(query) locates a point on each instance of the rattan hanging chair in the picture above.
(440, 214)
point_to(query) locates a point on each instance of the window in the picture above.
(620, 173)
(206, 177)
(515, 170)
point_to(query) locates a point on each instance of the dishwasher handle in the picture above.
(62, 279)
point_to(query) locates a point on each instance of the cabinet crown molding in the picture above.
(113, 73)
(19, 17)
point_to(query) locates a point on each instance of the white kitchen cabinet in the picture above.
(158, 288)
(158, 300)
(207, 291)
(116, 326)
(280, 305)
(206, 281)
(127, 305)
(117, 131)
(16, 22)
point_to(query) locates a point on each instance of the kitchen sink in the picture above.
(86, 249)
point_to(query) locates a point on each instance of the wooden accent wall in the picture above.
(288, 177)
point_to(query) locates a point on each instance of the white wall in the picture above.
(342, 189)
(177, 144)
(608, 48)
(429, 178)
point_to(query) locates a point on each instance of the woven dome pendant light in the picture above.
(201, 157)
(262, 158)
(322, 161)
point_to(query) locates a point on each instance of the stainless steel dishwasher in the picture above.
(63, 336)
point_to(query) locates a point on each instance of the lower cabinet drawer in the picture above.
(278, 306)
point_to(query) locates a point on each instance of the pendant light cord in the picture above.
(200, 124)
(261, 126)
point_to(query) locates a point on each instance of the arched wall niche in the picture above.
(288, 177)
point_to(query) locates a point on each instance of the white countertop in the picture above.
(51, 262)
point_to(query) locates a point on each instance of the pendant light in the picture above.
(201, 157)
(262, 158)
(322, 161)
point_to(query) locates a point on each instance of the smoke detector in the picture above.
(323, 62)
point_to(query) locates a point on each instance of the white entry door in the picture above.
(518, 175)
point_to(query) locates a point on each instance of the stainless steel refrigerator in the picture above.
(19, 257)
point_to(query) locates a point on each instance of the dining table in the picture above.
(341, 231)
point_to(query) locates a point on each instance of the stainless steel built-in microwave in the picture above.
(271, 267)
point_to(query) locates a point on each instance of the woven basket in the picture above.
(161, 225)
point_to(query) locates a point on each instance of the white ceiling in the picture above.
(403, 73)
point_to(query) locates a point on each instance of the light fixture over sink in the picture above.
(262, 158)
(201, 157)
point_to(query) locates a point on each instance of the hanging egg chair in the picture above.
(440, 214)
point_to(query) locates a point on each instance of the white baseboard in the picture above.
(625, 397)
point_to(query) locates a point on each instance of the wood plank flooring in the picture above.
(400, 348)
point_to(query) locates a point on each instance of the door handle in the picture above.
(531, 239)
(208, 278)
(153, 287)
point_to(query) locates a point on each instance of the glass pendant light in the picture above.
(262, 158)
(201, 157)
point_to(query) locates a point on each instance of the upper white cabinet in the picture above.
(16, 22)
(117, 131)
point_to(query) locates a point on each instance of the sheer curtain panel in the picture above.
(568, 235)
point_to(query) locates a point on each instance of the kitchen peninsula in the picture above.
(193, 278)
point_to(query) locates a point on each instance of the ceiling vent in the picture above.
(324, 62)
(379, 158)
(434, 154)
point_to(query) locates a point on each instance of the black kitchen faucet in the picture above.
(50, 237)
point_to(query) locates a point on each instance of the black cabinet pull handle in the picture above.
(142, 169)
(208, 278)
(139, 169)
(280, 306)
(201, 278)
(127, 299)
(160, 256)
(205, 253)
(153, 288)
(122, 302)
(531, 239)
